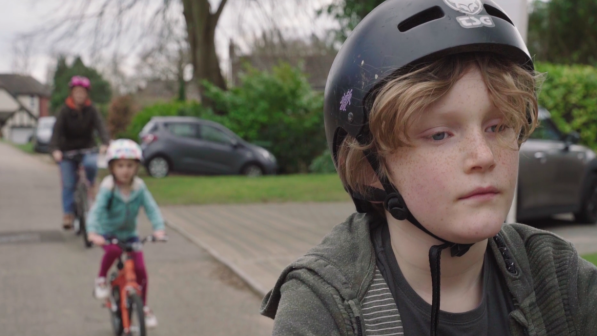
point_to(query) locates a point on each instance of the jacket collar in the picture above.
(345, 259)
(71, 103)
(108, 183)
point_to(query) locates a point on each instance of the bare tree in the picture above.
(21, 57)
(201, 25)
(105, 24)
(128, 27)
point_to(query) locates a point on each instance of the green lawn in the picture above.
(27, 148)
(185, 190)
(592, 258)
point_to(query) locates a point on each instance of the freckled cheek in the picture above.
(424, 181)
(507, 161)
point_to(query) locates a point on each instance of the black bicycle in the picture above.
(81, 192)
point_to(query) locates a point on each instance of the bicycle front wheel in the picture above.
(83, 228)
(136, 316)
(81, 205)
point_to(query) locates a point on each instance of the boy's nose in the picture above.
(479, 154)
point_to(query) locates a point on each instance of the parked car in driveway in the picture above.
(556, 175)
(43, 134)
(192, 145)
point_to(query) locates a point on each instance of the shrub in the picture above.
(323, 164)
(120, 114)
(570, 95)
(277, 107)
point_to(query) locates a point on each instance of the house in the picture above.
(22, 101)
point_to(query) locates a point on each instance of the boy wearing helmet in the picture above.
(74, 129)
(114, 215)
(426, 106)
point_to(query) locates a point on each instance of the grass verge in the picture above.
(592, 258)
(187, 190)
(27, 148)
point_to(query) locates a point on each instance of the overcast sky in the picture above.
(23, 16)
(239, 21)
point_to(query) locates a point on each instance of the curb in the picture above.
(253, 285)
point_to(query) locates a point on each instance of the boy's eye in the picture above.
(497, 128)
(439, 136)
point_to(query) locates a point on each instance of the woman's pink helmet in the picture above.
(80, 81)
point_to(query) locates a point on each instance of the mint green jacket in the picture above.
(121, 220)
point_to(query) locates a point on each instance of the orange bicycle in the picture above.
(125, 302)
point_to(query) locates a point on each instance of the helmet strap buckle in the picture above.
(395, 205)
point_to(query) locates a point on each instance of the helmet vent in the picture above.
(497, 13)
(420, 18)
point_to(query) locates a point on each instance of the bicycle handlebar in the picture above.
(75, 152)
(136, 245)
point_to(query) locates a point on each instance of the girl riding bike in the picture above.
(114, 215)
(73, 130)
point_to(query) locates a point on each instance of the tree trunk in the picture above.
(201, 30)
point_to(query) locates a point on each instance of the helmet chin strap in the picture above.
(394, 203)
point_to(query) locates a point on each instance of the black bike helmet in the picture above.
(395, 36)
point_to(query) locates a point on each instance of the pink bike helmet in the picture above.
(80, 81)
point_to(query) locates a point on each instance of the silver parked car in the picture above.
(556, 175)
(43, 134)
(192, 145)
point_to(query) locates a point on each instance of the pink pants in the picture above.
(112, 252)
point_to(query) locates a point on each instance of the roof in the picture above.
(23, 85)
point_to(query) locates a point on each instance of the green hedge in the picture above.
(569, 93)
(278, 108)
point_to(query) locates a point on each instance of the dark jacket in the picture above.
(75, 129)
(554, 290)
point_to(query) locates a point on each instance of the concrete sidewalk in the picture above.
(258, 241)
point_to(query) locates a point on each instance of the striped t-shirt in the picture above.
(379, 311)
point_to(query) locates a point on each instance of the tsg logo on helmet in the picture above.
(470, 8)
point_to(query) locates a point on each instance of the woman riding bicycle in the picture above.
(74, 130)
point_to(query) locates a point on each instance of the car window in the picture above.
(213, 134)
(46, 123)
(148, 128)
(185, 130)
(546, 130)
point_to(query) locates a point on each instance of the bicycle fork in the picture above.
(131, 287)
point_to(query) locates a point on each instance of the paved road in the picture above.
(46, 276)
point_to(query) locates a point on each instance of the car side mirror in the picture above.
(235, 144)
(571, 138)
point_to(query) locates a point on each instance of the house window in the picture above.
(32, 102)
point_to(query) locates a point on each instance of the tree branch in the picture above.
(216, 16)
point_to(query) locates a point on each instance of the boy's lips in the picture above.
(481, 193)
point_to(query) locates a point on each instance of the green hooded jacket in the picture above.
(554, 291)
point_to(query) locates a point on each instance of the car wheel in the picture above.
(252, 170)
(588, 212)
(158, 167)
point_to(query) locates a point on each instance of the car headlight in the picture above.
(266, 155)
